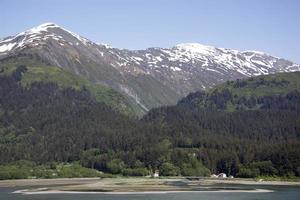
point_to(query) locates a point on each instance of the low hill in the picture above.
(247, 94)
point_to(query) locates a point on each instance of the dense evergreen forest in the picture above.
(243, 128)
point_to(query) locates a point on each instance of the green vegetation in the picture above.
(40, 72)
(65, 79)
(76, 170)
(255, 169)
(168, 169)
(152, 93)
(142, 171)
(44, 122)
(25, 169)
(274, 84)
(248, 94)
(9, 65)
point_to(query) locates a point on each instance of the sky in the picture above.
(271, 26)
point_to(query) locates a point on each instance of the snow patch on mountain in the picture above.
(195, 48)
(178, 70)
(7, 47)
(40, 28)
(182, 61)
(36, 36)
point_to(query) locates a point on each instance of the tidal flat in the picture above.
(147, 189)
(140, 185)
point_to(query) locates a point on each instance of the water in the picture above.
(280, 193)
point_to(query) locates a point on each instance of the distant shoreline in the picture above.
(140, 185)
(80, 181)
(32, 192)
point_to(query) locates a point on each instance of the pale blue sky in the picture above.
(272, 26)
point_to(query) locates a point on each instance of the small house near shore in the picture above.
(222, 175)
(156, 174)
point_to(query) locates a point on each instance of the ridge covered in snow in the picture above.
(176, 71)
(35, 36)
(182, 58)
(195, 48)
(188, 56)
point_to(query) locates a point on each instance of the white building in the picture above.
(222, 175)
(156, 174)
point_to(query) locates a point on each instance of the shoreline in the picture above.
(79, 181)
(26, 192)
(140, 185)
(41, 181)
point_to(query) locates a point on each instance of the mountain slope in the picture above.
(235, 126)
(248, 94)
(37, 72)
(45, 124)
(151, 77)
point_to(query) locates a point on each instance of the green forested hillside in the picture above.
(280, 83)
(37, 71)
(207, 132)
(237, 125)
(248, 94)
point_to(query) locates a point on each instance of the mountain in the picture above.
(149, 78)
(232, 128)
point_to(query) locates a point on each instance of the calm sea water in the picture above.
(280, 193)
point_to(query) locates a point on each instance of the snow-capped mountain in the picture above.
(151, 77)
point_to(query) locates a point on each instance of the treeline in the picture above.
(232, 132)
(23, 169)
(44, 124)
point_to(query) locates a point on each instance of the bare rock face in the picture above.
(151, 77)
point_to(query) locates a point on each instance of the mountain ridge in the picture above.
(150, 78)
(44, 26)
